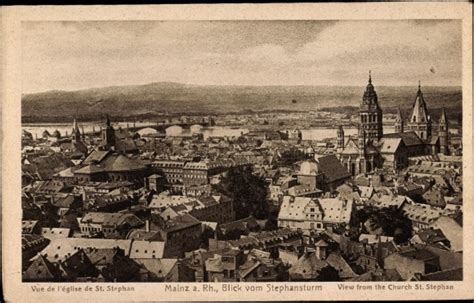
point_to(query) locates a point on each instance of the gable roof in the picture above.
(59, 249)
(408, 138)
(389, 145)
(332, 169)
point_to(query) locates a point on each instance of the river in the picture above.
(37, 129)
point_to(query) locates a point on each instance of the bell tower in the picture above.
(420, 120)
(76, 134)
(108, 135)
(340, 137)
(399, 122)
(443, 133)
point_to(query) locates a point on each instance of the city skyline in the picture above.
(81, 55)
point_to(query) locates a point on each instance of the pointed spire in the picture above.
(370, 76)
(75, 127)
(419, 85)
(443, 118)
(399, 114)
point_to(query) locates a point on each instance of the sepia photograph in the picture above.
(219, 156)
(235, 151)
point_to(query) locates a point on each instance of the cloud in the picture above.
(73, 55)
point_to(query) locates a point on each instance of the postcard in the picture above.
(237, 152)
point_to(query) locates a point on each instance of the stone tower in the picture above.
(399, 122)
(420, 120)
(76, 134)
(361, 143)
(443, 133)
(371, 113)
(340, 137)
(108, 135)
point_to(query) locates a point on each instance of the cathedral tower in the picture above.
(420, 120)
(371, 113)
(361, 160)
(443, 133)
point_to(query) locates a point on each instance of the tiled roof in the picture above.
(332, 168)
(419, 254)
(59, 249)
(159, 267)
(90, 169)
(147, 249)
(334, 210)
(111, 219)
(55, 232)
(409, 138)
(95, 156)
(118, 162)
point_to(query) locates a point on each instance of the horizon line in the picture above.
(231, 85)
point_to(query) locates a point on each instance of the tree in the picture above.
(247, 191)
(207, 234)
(393, 223)
(289, 157)
(328, 273)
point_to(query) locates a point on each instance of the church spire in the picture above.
(370, 77)
(443, 118)
(420, 120)
(399, 121)
(443, 133)
(76, 134)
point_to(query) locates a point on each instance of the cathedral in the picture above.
(373, 149)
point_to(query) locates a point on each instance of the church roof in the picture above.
(419, 111)
(96, 156)
(443, 118)
(370, 99)
(117, 162)
(90, 169)
(350, 147)
(389, 145)
(408, 138)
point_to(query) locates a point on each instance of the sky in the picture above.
(78, 55)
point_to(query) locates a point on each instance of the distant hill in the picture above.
(163, 98)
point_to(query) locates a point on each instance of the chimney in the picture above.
(147, 225)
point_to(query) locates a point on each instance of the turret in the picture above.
(76, 134)
(340, 137)
(443, 133)
(108, 135)
(399, 122)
